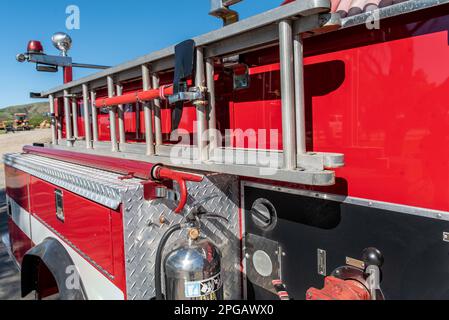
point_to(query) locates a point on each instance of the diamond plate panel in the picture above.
(99, 186)
(218, 194)
(143, 232)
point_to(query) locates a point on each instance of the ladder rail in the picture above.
(212, 112)
(53, 124)
(288, 94)
(87, 128)
(121, 116)
(291, 10)
(112, 116)
(68, 120)
(201, 117)
(148, 112)
(59, 125)
(157, 113)
(292, 163)
(137, 152)
(93, 97)
(298, 53)
(75, 117)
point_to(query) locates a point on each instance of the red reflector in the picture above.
(35, 47)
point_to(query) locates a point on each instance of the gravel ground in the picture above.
(10, 143)
(9, 275)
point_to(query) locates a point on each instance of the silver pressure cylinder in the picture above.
(193, 272)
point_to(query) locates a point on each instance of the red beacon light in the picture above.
(35, 47)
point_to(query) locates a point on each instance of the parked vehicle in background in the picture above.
(21, 122)
(7, 126)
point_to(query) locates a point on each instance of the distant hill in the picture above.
(33, 110)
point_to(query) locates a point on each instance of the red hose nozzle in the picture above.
(162, 173)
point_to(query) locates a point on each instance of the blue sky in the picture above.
(111, 32)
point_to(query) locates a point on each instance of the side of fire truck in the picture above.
(295, 155)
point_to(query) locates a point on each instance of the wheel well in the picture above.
(37, 277)
(48, 269)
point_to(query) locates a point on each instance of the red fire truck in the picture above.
(290, 155)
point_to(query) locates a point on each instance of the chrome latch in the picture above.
(59, 202)
(192, 95)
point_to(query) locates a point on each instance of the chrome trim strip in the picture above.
(410, 210)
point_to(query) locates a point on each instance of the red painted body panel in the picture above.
(67, 74)
(385, 107)
(81, 126)
(20, 242)
(258, 109)
(381, 99)
(17, 189)
(377, 96)
(187, 121)
(57, 104)
(17, 186)
(88, 226)
(118, 250)
(104, 132)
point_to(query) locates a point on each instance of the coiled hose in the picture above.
(158, 266)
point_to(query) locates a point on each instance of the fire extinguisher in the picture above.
(192, 267)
